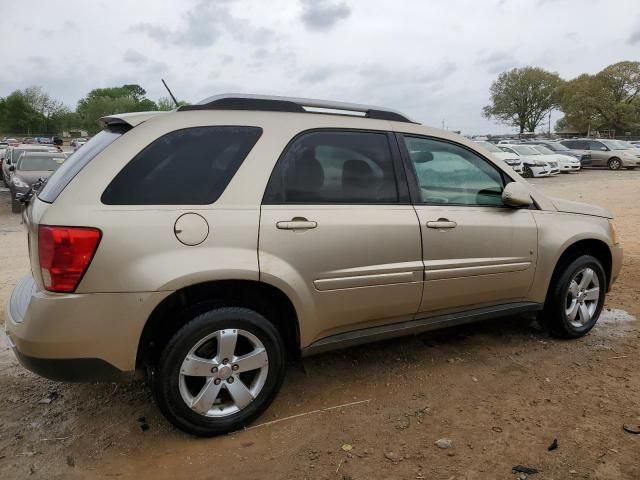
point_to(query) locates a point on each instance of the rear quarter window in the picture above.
(76, 162)
(192, 166)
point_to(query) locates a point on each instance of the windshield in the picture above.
(625, 145)
(490, 146)
(523, 150)
(613, 145)
(557, 147)
(40, 162)
(76, 162)
(544, 150)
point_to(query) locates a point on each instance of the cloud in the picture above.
(634, 37)
(203, 25)
(320, 74)
(135, 57)
(322, 15)
(496, 61)
(143, 63)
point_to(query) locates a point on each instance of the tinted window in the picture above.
(334, 167)
(449, 174)
(576, 144)
(189, 166)
(76, 162)
(595, 145)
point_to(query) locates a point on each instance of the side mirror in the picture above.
(12, 168)
(516, 195)
(604, 149)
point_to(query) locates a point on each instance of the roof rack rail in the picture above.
(272, 103)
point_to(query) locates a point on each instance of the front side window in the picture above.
(596, 145)
(450, 174)
(334, 167)
(192, 166)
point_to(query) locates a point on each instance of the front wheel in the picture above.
(575, 298)
(614, 164)
(220, 371)
(527, 172)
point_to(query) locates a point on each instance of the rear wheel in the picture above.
(220, 371)
(614, 163)
(16, 206)
(576, 297)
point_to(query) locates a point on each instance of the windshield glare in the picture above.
(557, 147)
(544, 150)
(40, 163)
(613, 145)
(490, 146)
(522, 150)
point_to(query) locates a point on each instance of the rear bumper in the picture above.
(77, 337)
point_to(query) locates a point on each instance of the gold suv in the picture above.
(207, 245)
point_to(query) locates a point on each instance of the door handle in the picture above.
(296, 223)
(441, 223)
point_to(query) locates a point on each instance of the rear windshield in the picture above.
(76, 162)
(40, 162)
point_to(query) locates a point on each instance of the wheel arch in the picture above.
(591, 246)
(183, 304)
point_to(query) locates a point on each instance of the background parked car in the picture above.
(604, 153)
(12, 155)
(534, 163)
(635, 143)
(510, 158)
(31, 166)
(566, 163)
(557, 147)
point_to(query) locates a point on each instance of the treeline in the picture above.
(608, 100)
(33, 111)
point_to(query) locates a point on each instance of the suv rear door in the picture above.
(477, 252)
(583, 147)
(338, 233)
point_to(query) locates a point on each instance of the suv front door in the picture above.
(338, 233)
(477, 252)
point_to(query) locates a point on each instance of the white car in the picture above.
(566, 163)
(511, 159)
(535, 164)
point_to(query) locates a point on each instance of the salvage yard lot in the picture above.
(501, 391)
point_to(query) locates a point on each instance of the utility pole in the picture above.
(549, 123)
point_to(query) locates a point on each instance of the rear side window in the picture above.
(76, 162)
(335, 167)
(192, 166)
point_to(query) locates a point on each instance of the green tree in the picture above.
(107, 101)
(166, 103)
(20, 117)
(522, 97)
(609, 99)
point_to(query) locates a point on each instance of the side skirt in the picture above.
(413, 327)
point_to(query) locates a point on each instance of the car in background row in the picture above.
(31, 167)
(605, 153)
(566, 163)
(75, 141)
(535, 164)
(510, 159)
(559, 148)
(12, 155)
(635, 143)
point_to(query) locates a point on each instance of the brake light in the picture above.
(65, 253)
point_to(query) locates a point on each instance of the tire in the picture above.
(527, 172)
(16, 206)
(563, 297)
(614, 163)
(172, 390)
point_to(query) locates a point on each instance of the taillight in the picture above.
(65, 253)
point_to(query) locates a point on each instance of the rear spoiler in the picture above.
(126, 119)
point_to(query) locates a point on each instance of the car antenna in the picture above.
(168, 90)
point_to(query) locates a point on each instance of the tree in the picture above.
(166, 103)
(522, 97)
(107, 101)
(609, 99)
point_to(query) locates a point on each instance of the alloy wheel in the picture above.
(223, 373)
(582, 297)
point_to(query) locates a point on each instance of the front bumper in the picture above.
(616, 262)
(77, 337)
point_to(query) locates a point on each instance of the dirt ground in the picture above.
(501, 391)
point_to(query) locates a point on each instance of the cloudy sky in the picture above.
(434, 60)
